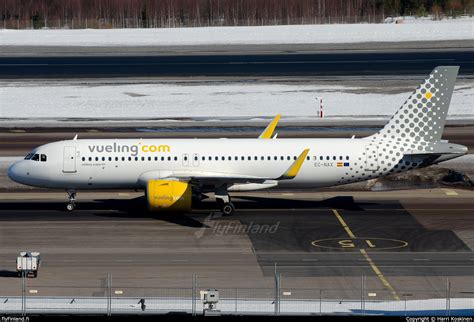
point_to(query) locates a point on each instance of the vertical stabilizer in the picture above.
(423, 115)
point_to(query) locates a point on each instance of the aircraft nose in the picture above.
(14, 172)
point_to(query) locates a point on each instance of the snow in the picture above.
(244, 100)
(410, 30)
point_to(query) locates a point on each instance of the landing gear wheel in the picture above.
(228, 208)
(72, 200)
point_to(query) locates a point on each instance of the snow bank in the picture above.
(417, 30)
(212, 101)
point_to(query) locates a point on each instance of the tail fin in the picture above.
(423, 115)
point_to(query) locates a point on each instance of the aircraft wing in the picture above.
(214, 178)
(218, 178)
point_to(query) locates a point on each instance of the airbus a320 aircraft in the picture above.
(175, 172)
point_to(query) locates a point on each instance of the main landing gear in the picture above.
(223, 200)
(72, 200)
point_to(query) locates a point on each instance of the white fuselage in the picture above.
(130, 163)
(115, 164)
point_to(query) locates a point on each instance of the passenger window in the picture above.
(334, 158)
(110, 158)
(340, 157)
(143, 158)
(176, 158)
(249, 158)
(149, 158)
(308, 158)
(97, 158)
(156, 158)
(216, 158)
(242, 158)
(347, 157)
(185, 158)
(83, 159)
(116, 158)
(282, 158)
(169, 158)
(162, 158)
(223, 158)
(236, 158)
(327, 158)
(321, 158)
(275, 158)
(123, 158)
(255, 158)
(203, 158)
(129, 158)
(210, 158)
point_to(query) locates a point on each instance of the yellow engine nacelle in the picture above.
(165, 195)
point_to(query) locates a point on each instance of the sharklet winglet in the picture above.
(268, 132)
(295, 167)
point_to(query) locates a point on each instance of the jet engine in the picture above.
(166, 195)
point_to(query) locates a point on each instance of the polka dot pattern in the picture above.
(417, 125)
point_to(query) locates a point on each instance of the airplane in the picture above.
(176, 173)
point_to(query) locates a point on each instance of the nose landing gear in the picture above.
(72, 200)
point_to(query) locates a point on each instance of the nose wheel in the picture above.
(72, 200)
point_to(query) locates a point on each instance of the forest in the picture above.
(75, 14)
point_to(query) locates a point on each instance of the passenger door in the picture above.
(69, 159)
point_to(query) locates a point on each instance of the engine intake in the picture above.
(166, 195)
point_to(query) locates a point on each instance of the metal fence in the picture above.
(117, 298)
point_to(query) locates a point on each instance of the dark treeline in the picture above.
(188, 13)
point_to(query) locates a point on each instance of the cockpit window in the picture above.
(35, 157)
(43, 158)
(29, 156)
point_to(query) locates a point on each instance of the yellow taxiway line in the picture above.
(372, 264)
